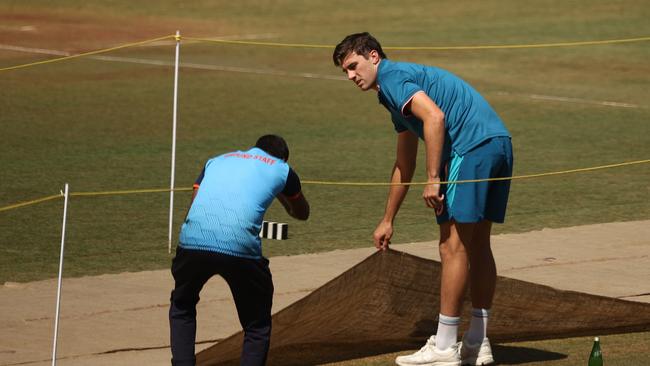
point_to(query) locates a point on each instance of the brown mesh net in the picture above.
(390, 301)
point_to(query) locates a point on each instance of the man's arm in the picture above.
(195, 190)
(407, 149)
(433, 123)
(292, 198)
(296, 206)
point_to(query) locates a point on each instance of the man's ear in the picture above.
(374, 57)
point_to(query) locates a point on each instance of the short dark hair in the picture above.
(359, 43)
(274, 145)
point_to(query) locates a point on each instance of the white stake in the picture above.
(58, 291)
(171, 192)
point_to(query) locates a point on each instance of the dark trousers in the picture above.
(252, 289)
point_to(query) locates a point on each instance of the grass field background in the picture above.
(107, 125)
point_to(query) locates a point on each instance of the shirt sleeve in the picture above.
(292, 188)
(399, 89)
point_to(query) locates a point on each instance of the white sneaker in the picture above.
(429, 355)
(476, 354)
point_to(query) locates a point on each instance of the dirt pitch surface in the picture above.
(78, 31)
(121, 319)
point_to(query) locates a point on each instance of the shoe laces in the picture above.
(431, 342)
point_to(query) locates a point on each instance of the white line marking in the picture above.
(586, 101)
(189, 65)
(182, 64)
(573, 100)
(290, 74)
(33, 50)
(22, 28)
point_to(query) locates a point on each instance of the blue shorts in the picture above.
(475, 202)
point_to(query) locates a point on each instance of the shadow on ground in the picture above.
(513, 355)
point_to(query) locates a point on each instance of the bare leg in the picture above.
(483, 271)
(454, 238)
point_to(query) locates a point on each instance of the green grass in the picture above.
(413, 22)
(107, 126)
(617, 349)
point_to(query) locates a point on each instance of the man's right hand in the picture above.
(382, 235)
(296, 206)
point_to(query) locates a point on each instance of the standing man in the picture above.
(221, 236)
(464, 139)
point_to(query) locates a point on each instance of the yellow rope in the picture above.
(253, 43)
(158, 190)
(132, 191)
(86, 194)
(539, 45)
(87, 53)
(478, 180)
(48, 198)
(302, 45)
(433, 48)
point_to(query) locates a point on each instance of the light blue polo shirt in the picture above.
(469, 119)
(236, 190)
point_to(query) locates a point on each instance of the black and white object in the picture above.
(274, 230)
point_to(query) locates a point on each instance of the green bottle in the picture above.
(596, 357)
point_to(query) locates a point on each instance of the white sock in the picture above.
(447, 331)
(477, 326)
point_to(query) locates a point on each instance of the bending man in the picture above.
(221, 236)
(464, 139)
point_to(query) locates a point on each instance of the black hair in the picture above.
(359, 43)
(274, 145)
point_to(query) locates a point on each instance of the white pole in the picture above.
(58, 290)
(171, 185)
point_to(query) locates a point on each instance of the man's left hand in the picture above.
(432, 197)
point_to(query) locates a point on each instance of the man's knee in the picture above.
(183, 304)
(452, 248)
(452, 239)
